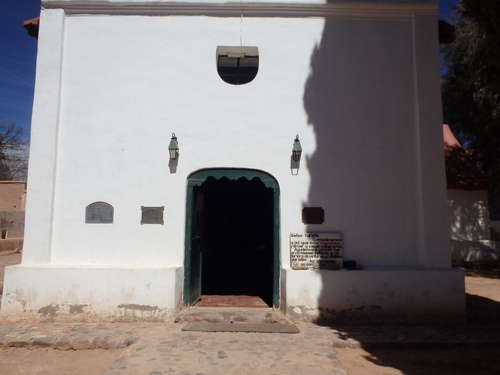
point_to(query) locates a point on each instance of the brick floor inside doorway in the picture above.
(230, 301)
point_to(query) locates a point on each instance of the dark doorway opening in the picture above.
(234, 222)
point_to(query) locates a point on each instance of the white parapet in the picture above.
(76, 293)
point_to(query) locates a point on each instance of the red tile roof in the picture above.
(32, 26)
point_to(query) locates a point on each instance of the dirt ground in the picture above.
(455, 361)
(483, 294)
(17, 361)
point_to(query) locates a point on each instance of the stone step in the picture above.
(231, 315)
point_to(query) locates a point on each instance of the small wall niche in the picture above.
(99, 213)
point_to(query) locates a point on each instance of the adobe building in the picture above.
(213, 147)
(12, 206)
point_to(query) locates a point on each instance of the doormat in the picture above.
(241, 327)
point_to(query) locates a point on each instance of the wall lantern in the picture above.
(296, 150)
(173, 148)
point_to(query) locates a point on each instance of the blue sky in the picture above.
(17, 62)
(18, 59)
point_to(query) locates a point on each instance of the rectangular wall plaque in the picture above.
(152, 215)
(313, 215)
(316, 250)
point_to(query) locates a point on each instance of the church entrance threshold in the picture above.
(231, 301)
(232, 248)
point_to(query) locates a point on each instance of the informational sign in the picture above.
(316, 250)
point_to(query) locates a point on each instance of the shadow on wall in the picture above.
(348, 85)
(475, 254)
(362, 164)
(472, 235)
(471, 242)
(362, 147)
(468, 219)
(467, 195)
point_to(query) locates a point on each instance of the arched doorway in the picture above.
(232, 235)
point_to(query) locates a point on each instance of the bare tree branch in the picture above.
(13, 152)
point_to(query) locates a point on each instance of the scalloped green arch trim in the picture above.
(197, 178)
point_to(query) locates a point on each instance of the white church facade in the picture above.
(303, 133)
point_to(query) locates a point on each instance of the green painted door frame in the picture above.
(192, 256)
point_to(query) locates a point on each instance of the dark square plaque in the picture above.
(152, 215)
(99, 212)
(313, 215)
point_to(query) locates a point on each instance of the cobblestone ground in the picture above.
(173, 351)
(155, 349)
(164, 348)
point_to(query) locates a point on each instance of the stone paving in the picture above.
(154, 349)
(69, 336)
(170, 350)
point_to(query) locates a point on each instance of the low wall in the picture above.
(11, 224)
(475, 254)
(11, 244)
(68, 293)
(373, 295)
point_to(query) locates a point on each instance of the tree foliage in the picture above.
(13, 155)
(471, 85)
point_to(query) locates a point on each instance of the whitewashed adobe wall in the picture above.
(12, 205)
(472, 243)
(358, 81)
(470, 229)
(468, 214)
